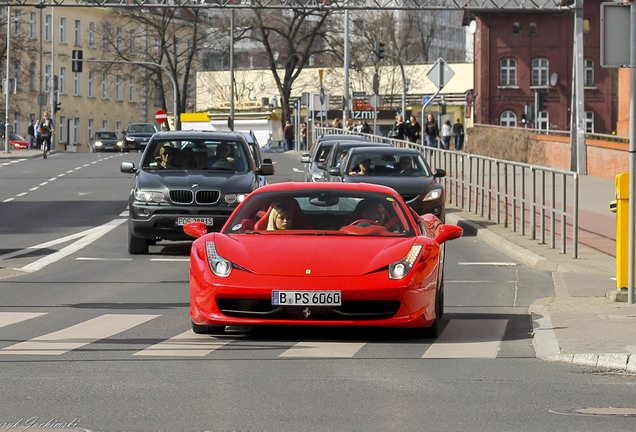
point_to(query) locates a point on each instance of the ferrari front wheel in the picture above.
(207, 329)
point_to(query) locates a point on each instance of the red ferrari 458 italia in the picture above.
(320, 254)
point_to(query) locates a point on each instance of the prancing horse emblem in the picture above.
(306, 312)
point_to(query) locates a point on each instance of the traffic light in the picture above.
(57, 106)
(540, 101)
(76, 65)
(379, 51)
(524, 119)
(56, 103)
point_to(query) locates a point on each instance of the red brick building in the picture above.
(519, 53)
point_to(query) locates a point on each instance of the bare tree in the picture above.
(290, 39)
(171, 37)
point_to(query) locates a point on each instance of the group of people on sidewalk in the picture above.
(39, 131)
(433, 137)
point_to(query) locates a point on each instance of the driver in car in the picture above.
(224, 158)
(371, 210)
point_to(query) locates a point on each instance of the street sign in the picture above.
(440, 74)
(376, 101)
(161, 116)
(426, 100)
(615, 31)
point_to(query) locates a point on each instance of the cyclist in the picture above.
(46, 129)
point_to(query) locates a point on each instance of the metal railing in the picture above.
(537, 201)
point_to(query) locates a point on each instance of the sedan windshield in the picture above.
(384, 164)
(321, 212)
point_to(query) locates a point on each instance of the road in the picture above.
(92, 338)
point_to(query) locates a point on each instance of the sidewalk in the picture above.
(24, 153)
(580, 324)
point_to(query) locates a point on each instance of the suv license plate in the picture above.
(186, 220)
(306, 298)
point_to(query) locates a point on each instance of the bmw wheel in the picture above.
(136, 245)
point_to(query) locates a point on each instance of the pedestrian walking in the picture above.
(36, 134)
(413, 130)
(288, 133)
(31, 133)
(458, 132)
(399, 128)
(447, 131)
(432, 131)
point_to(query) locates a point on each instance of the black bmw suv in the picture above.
(188, 176)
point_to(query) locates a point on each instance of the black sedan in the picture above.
(399, 168)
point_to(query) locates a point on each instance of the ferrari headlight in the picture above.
(401, 268)
(219, 266)
(234, 198)
(150, 196)
(433, 195)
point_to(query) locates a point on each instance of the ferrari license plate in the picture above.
(306, 298)
(186, 220)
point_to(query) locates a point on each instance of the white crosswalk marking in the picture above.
(8, 318)
(84, 333)
(187, 344)
(323, 349)
(468, 338)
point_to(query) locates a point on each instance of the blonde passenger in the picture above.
(280, 218)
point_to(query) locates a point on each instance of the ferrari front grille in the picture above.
(350, 310)
(182, 196)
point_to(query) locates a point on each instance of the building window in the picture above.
(61, 129)
(118, 126)
(91, 128)
(104, 86)
(47, 78)
(589, 121)
(91, 84)
(62, 81)
(132, 41)
(77, 33)
(33, 23)
(75, 124)
(105, 38)
(47, 28)
(508, 72)
(104, 124)
(131, 89)
(543, 121)
(63, 30)
(33, 77)
(516, 28)
(119, 88)
(118, 39)
(91, 35)
(508, 118)
(77, 89)
(588, 68)
(540, 69)
(17, 23)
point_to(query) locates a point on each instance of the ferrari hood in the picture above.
(310, 255)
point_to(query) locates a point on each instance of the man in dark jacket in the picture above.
(432, 131)
(288, 133)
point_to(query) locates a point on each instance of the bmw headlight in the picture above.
(234, 198)
(150, 196)
(433, 195)
(401, 268)
(219, 266)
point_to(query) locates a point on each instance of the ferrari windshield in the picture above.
(196, 154)
(321, 212)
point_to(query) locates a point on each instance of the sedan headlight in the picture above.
(120, 143)
(150, 196)
(401, 268)
(98, 143)
(234, 198)
(131, 139)
(433, 195)
(219, 266)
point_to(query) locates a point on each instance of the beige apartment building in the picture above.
(103, 96)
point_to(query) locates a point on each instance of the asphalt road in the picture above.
(93, 338)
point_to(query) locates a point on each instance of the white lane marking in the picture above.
(8, 318)
(101, 259)
(91, 235)
(170, 259)
(324, 349)
(468, 338)
(297, 170)
(8, 200)
(34, 188)
(44, 183)
(494, 263)
(21, 194)
(77, 336)
(187, 344)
